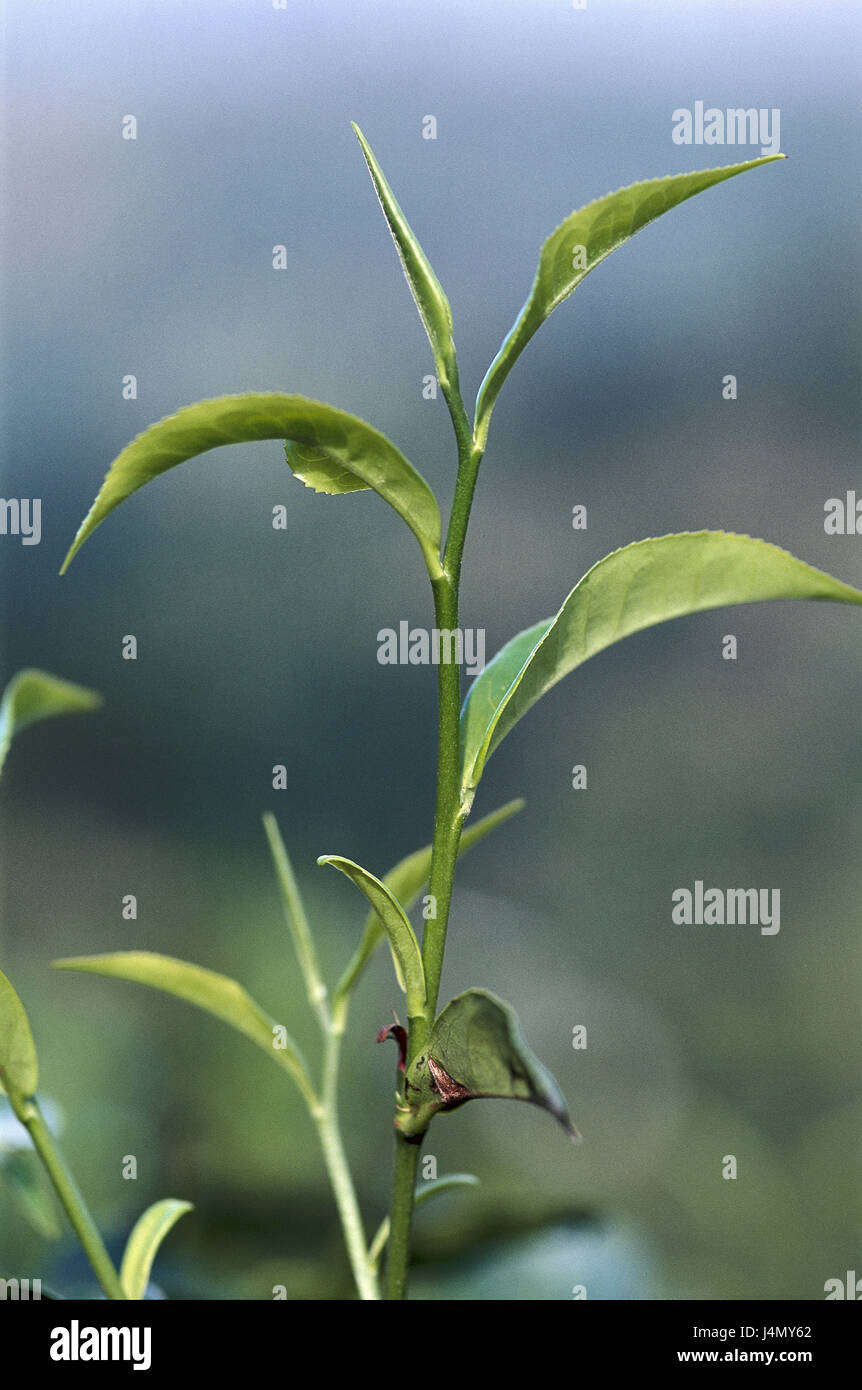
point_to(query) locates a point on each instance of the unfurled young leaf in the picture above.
(399, 933)
(631, 589)
(19, 1066)
(426, 289)
(215, 994)
(407, 879)
(143, 1244)
(578, 245)
(32, 695)
(348, 442)
(476, 1051)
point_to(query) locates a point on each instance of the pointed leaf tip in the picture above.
(32, 695)
(427, 292)
(581, 242)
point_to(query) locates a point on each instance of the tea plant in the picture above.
(472, 1048)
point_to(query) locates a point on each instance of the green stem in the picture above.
(67, 1190)
(449, 814)
(325, 1117)
(448, 819)
(401, 1216)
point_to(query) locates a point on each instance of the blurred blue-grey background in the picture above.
(258, 647)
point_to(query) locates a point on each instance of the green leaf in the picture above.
(476, 1051)
(631, 589)
(32, 695)
(215, 994)
(355, 446)
(485, 697)
(426, 289)
(19, 1066)
(577, 246)
(425, 1192)
(297, 919)
(143, 1244)
(406, 880)
(321, 471)
(435, 1187)
(404, 946)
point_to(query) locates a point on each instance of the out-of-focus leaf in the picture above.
(23, 1175)
(435, 1187)
(32, 695)
(297, 918)
(143, 1244)
(476, 1051)
(19, 1066)
(216, 994)
(425, 1192)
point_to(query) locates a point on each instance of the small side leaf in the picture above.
(578, 245)
(19, 1065)
(406, 880)
(215, 994)
(32, 695)
(358, 449)
(637, 587)
(425, 1192)
(426, 289)
(405, 948)
(476, 1051)
(143, 1244)
(435, 1187)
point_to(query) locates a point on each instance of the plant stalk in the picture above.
(401, 1216)
(326, 1119)
(67, 1190)
(448, 820)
